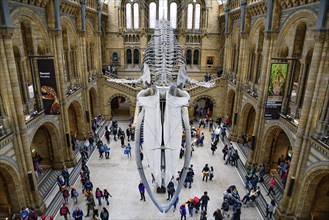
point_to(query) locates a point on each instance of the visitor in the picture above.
(205, 172)
(77, 214)
(74, 194)
(170, 189)
(190, 206)
(270, 209)
(225, 208)
(211, 173)
(271, 185)
(106, 195)
(204, 201)
(64, 211)
(128, 150)
(104, 214)
(182, 211)
(66, 176)
(141, 189)
(218, 215)
(203, 215)
(99, 195)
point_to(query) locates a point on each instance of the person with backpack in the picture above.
(104, 214)
(74, 194)
(77, 214)
(64, 211)
(66, 195)
(128, 150)
(106, 195)
(99, 195)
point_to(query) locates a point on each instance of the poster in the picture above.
(276, 91)
(48, 86)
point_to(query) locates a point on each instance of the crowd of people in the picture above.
(231, 205)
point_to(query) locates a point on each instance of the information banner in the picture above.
(276, 88)
(48, 86)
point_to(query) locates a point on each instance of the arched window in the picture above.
(163, 9)
(136, 56)
(136, 16)
(129, 56)
(173, 15)
(152, 14)
(196, 57)
(188, 56)
(189, 16)
(197, 17)
(128, 16)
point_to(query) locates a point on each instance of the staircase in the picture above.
(246, 150)
(54, 206)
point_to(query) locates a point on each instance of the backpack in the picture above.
(66, 193)
(75, 193)
(98, 194)
(63, 211)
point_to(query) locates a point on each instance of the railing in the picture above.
(288, 121)
(253, 1)
(34, 118)
(71, 91)
(321, 146)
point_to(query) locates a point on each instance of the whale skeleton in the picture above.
(164, 114)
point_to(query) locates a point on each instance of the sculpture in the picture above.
(164, 113)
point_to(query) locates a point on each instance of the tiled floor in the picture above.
(120, 176)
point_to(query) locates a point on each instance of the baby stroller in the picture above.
(193, 132)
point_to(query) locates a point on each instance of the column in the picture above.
(301, 147)
(21, 143)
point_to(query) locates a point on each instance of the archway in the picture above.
(45, 143)
(93, 102)
(248, 120)
(76, 120)
(205, 106)
(277, 143)
(120, 106)
(9, 199)
(230, 103)
(314, 200)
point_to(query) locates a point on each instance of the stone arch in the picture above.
(277, 141)
(93, 98)
(114, 105)
(76, 119)
(247, 120)
(11, 193)
(311, 185)
(69, 26)
(26, 14)
(45, 140)
(260, 23)
(230, 102)
(304, 15)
